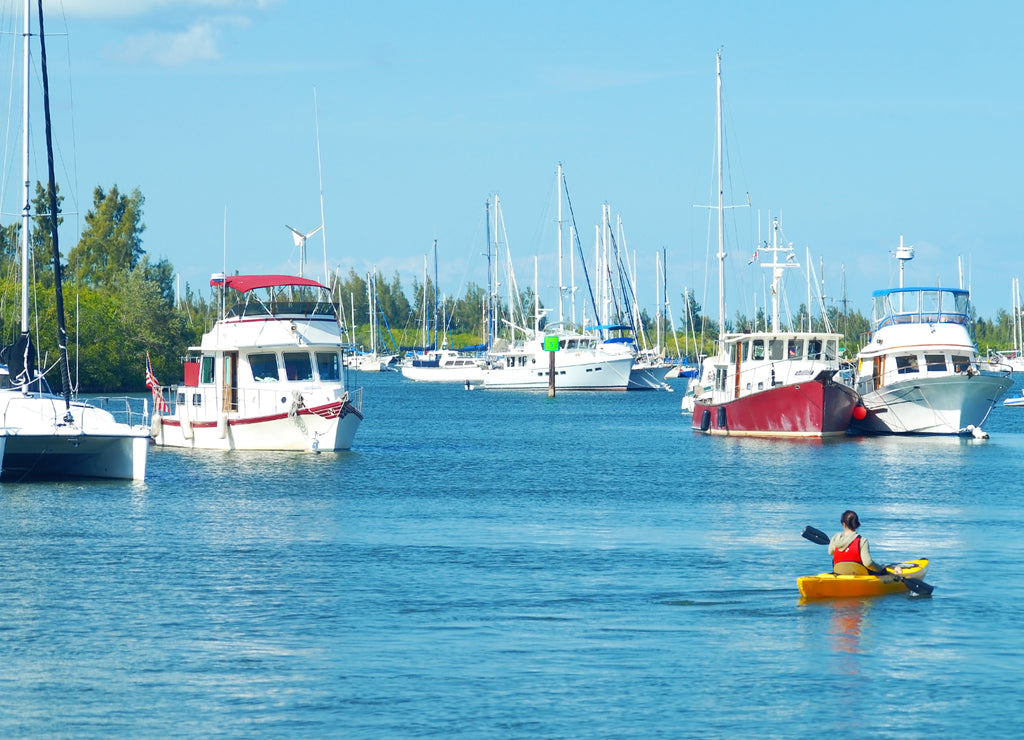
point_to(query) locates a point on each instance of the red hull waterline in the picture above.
(811, 409)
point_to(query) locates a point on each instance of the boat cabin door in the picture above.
(877, 372)
(230, 382)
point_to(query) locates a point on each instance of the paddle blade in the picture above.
(918, 587)
(815, 535)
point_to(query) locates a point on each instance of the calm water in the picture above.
(490, 565)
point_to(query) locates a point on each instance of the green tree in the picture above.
(111, 243)
(41, 238)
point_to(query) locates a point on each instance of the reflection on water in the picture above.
(848, 617)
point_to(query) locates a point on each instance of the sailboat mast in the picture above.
(27, 209)
(62, 333)
(436, 304)
(490, 280)
(561, 282)
(721, 206)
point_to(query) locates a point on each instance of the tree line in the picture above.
(121, 305)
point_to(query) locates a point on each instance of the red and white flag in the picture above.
(159, 403)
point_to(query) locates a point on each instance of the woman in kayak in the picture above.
(849, 550)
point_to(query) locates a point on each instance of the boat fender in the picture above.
(156, 426)
(705, 420)
(721, 417)
(222, 426)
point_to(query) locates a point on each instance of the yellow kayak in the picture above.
(831, 586)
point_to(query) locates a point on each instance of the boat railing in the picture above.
(131, 410)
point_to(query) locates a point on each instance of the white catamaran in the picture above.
(44, 435)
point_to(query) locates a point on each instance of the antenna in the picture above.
(904, 253)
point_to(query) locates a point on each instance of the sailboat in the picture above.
(44, 435)
(770, 383)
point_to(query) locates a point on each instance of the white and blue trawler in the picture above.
(920, 373)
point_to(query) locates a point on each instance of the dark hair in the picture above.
(849, 518)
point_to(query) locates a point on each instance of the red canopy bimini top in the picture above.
(245, 283)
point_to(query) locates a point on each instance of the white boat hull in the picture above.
(445, 366)
(571, 374)
(327, 428)
(945, 405)
(39, 444)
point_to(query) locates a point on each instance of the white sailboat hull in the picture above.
(39, 444)
(572, 373)
(445, 366)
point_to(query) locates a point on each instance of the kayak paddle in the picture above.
(918, 587)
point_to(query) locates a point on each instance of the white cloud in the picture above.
(198, 43)
(132, 8)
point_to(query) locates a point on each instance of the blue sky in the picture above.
(859, 122)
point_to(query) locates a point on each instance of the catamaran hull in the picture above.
(328, 428)
(944, 405)
(73, 456)
(817, 408)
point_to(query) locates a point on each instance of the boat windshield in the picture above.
(921, 306)
(288, 300)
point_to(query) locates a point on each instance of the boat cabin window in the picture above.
(935, 363)
(756, 349)
(776, 348)
(961, 363)
(813, 349)
(906, 364)
(297, 366)
(831, 349)
(796, 349)
(721, 375)
(206, 374)
(328, 365)
(264, 367)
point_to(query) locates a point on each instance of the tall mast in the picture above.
(436, 309)
(27, 208)
(51, 180)
(561, 282)
(721, 206)
(490, 280)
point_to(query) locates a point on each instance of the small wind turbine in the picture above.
(300, 242)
